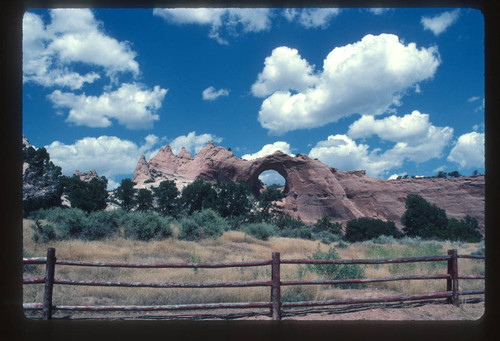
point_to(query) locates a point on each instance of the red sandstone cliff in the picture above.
(313, 189)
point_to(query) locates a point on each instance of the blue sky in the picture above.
(391, 91)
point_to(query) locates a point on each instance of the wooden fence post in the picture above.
(276, 287)
(452, 283)
(49, 283)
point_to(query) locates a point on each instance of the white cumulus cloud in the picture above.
(108, 155)
(220, 20)
(192, 142)
(73, 36)
(284, 70)
(469, 150)
(342, 152)
(298, 97)
(415, 138)
(439, 23)
(269, 149)
(131, 105)
(311, 17)
(409, 128)
(211, 93)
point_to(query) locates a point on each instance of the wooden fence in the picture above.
(275, 283)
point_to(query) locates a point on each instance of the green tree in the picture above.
(441, 174)
(454, 174)
(423, 219)
(88, 196)
(266, 202)
(144, 200)
(126, 194)
(366, 228)
(166, 197)
(324, 224)
(198, 195)
(461, 230)
(232, 199)
(472, 222)
(43, 177)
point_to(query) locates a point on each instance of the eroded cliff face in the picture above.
(313, 189)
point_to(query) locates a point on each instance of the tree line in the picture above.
(201, 205)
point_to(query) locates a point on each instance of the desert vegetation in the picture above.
(219, 233)
(224, 222)
(232, 246)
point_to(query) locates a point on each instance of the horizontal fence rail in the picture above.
(275, 305)
(366, 261)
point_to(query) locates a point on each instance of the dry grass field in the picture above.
(235, 246)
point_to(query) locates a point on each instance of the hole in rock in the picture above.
(272, 177)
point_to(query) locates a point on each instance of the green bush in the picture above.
(422, 218)
(43, 232)
(284, 221)
(71, 223)
(147, 225)
(326, 237)
(336, 271)
(302, 232)
(100, 225)
(260, 231)
(203, 224)
(365, 228)
(383, 239)
(75, 223)
(324, 224)
(190, 230)
(462, 231)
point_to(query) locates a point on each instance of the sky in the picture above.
(390, 91)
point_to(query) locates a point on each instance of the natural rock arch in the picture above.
(314, 189)
(254, 182)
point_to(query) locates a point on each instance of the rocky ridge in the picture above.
(312, 188)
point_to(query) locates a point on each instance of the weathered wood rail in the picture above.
(275, 304)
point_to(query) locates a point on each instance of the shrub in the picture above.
(190, 230)
(203, 224)
(324, 224)
(75, 223)
(326, 237)
(336, 271)
(302, 232)
(44, 232)
(422, 218)
(70, 222)
(285, 221)
(147, 225)
(365, 228)
(260, 231)
(462, 231)
(101, 224)
(383, 239)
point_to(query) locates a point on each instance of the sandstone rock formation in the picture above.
(41, 179)
(312, 188)
(87, 176)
